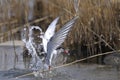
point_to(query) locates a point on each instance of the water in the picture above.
(12, 67)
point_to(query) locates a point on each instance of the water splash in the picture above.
(36, 61)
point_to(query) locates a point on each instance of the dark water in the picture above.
(12, 67)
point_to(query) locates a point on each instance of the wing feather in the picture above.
(49, 33)
(59, 37)
(51, 29)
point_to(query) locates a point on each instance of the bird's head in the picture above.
(66, 51)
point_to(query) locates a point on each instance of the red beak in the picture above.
(66, 51)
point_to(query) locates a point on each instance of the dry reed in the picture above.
(99, 16)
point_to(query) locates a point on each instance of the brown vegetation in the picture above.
(98, 25)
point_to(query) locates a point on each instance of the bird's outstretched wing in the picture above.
(49, 33)
(51, 29)
(59, 37)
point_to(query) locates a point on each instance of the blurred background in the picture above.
(96, 31)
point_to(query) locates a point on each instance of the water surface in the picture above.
(13, 66)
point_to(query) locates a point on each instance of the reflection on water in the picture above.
(8, 62)
(8, 59)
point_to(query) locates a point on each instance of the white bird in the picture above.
(51, 40)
